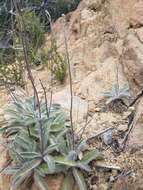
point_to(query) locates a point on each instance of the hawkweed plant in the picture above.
(39, 139)
(117, 98)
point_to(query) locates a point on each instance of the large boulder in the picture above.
(103, 36)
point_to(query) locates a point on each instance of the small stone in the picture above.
(94, 187)
(80, 156)
(97, 109)
(94, 180)
(107, 137)
(103, 187)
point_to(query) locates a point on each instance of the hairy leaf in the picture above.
(79, 178)
(91, 155)
(50, 162)
(63, 160)
(83, 166)
(67, 184)
(40, 182)
(25, 169)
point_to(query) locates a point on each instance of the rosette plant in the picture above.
(38, 148)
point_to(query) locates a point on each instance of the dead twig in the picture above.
(108, 167)
(136, 99)
(70, 78)
(100, 133)
(127, 136)
(122, 174)
(45, 95)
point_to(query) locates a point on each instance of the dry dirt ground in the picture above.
(125, 168)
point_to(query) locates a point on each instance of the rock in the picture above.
(136, 136)
(101, 36)
(103, 187)
(94, 187)
(132, 61)
(107, 137)
(80, 106)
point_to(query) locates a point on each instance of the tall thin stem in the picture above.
(70, 79)
(117, 77)
(45, 95)
(27, 65)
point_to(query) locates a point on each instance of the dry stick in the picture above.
(45, 95)
(51, 99)
(12, 95)
(136, 99)
(70, 78)
(127, 135)
(30, 76)
(86, 124)
(117, 77)
(52, 41)
(100, 133)
(122, 174)
(106, 167)
(132, 123)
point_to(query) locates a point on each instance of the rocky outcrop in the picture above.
(104, 35)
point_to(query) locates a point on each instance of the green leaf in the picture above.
(63, 160)
(83, 166)
(30, 155)
(51, 148)
(19, 180)
(62, 133)
(79, 178)
(81, 146)
(25, 169)
(40, 182)
(50, 162)
(57, 127)
(91, 155)
(67, 184)
(3, 129)
(43, 169)
(10, 170)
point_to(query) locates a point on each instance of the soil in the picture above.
(120, 169)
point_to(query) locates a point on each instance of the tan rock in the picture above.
(80, 106)
(136, 136)
(103, 187)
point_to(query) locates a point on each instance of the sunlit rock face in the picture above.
(102, 35)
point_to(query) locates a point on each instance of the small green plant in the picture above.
(59, 67)
(117, 93)
(75, 165)
(40, 148)
(57, 62)
(117, 96)
(34, 31)
(11, 57)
